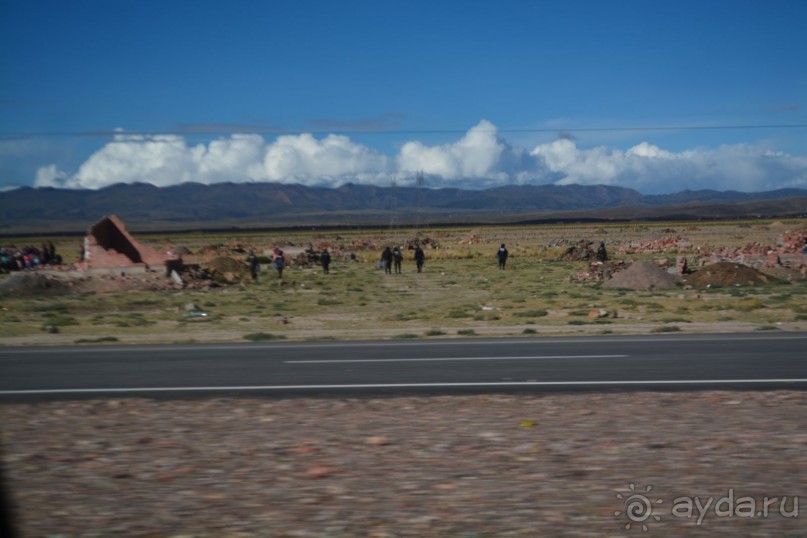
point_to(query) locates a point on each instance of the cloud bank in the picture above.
(480, 159)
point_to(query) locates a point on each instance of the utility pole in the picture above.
(420, 182)
(393, 219)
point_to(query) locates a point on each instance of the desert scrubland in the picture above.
(461, 291)
(699, 463)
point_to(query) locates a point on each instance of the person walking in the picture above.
(386, 257)
(252, 260)
(325, 260)
(397, 258)
(502, 255)
(280, 263)
(420, 257)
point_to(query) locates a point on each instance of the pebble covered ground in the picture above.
(554, 464)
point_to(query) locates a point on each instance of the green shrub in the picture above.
(666, 329)
(52, 308)
(98, 340)
(259, 337)
(61, 320)
(466, 332)
(531, 314)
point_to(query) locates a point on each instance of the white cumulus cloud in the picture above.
(332, 160)
(479, 159)
(650, 169)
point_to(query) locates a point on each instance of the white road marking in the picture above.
(405, 385)
(499, 358)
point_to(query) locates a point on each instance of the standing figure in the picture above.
(252, 260)
(502, 255)
(420, 257)
(325, 260)
(280, 263)
(397, 258)
(602, 255)
(386, 257)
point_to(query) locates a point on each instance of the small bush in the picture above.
(260, 337)
(328, 302)
(750, 306)
(52, 308)
(531, 314)
(466, 332)
(666, 329)
(433, 332)
(529, 331)
(577, 322)
(405, 336)
(98, 340)
(61, 320)
(767, 328)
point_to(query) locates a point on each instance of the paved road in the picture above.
(751, 361)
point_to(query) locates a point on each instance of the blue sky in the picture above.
(657, 96)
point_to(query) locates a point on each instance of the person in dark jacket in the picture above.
(252, 260)
(325, 260)
(397, 258)
(279, 263)
(420, 257)
(502, 255)
(602, 254)
(386, 257)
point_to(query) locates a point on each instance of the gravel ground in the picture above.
(458, 466)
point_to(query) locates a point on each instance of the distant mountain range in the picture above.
(271, 205)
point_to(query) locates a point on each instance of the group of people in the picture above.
(29, 257)
(279, 262)
(392, 258)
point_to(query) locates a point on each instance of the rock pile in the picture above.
(28, 283)
(581, 251)
(642, 276)
(727, 274)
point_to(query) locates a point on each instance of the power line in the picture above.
(278, 132)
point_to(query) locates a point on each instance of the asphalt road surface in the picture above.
(640, 362)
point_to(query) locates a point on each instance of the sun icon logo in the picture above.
(638, 507)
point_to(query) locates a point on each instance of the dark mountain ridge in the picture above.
(189, 205)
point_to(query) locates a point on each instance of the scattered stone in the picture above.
(377, 440)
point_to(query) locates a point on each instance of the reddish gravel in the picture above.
(462, 466)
